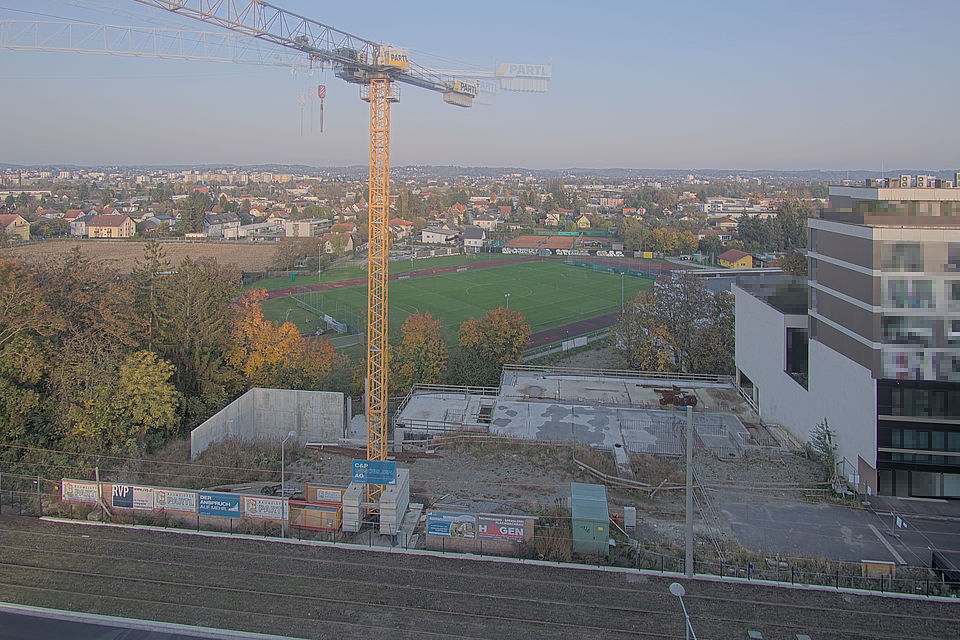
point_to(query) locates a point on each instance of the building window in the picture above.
(797, 355)
(902, 256)
(909, 330)
(953, 257)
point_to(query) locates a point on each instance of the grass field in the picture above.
(548, 293)
(358, 269)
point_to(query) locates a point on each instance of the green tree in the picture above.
(710, 245)
(138, 408)
(421, 356)
(192, 211)
(794, 263)
(193, 324)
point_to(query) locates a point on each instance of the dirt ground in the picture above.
(122, 254)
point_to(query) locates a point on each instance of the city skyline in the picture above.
(746, 86)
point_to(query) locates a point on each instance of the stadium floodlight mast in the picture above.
(507, 296)
(677, 589)
(283, 488)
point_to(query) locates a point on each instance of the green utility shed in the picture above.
(591, 518)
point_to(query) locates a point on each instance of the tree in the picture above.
(192, 212)
(267, 354)
(421, 356)
(485, 345)
(794, 263)
(145, 276)
(643, 345)
(680, 321)
(822, 448)
(138, 406)
(686, 242)
(710, 245)
(193, 324)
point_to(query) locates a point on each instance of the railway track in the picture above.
(324, 591)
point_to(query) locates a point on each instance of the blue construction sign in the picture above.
(375, 472)
(219, 504)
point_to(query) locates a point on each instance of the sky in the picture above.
(781, 85)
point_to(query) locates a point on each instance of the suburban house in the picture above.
(400, 228)
(486, 222)
(438, 236)
(78, 226)
(583, 222)
(106, 225)
(474, 238)
(736, 259)
(15, 226)
(332, 239)
(554, 219)
(221, 225)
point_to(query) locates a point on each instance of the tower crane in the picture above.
(376, 68)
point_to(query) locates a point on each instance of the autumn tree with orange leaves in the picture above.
(485, 345)
(267, 354)
(421, 356)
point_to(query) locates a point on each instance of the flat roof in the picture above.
(786, 294)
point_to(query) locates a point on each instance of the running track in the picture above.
(537, 339)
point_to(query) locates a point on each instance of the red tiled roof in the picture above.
(732, 255)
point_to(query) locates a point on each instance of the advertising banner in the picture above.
(375, 471)
(126, 496)
(324, 494)
(265, 508)
(175, 500)
(75, 491)
(501, 528)
(451, 525)
(210, 503)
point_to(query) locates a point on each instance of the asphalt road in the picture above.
(812, 530)
(326, 591)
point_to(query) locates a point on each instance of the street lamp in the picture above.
(507, 296)
(283, 492)
(621, 293)
(677, 589)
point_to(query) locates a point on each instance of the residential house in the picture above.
(337, 243)
(486, 222)
(474, 238)
(736, 259)
(107, 225)
(221, 225)
(400, 228)
(554, 219)
(438, 236)
(78, 226)
(583, 222)
(15, 226)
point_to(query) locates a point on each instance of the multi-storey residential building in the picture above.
(883, 321)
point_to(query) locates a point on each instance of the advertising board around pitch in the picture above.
(375, 472)
(124, 496)
(212, 503)
(79, 491)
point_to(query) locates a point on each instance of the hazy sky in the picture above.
(840, 84)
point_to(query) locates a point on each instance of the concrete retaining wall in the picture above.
(269, 414)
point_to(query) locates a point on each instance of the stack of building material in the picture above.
(394, 502)
(352, 514)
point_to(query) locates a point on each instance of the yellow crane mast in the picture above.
(375, 67)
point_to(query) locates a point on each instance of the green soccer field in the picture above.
(356, 269)
(548, 293)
